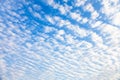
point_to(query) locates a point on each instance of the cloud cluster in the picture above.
(59, 40)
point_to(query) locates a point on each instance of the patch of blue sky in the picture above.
(97, 5)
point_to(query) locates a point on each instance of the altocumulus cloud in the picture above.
(59, 40)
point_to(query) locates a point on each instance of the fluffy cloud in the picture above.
(115, 19)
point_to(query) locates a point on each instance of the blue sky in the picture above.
(59, 39)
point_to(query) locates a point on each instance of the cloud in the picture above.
(95, 24)
(89, 7)
(110, 7)
(96, 38)
(64, 9)
(75, 16)
(94, 15)
(115, 19)
(37, 46)
(48, 29)
(80, 3)
(50, 19)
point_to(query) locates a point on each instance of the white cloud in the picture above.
(50, 19)
(61, 23)
(97, 39)
(3, 69)
(61, 32)
(116, 76)
(37, 15)
(89, 7)
(94, 15)
(84, 20)
(62, 10)
(51, 2)
(69, 39)
(85, 45)
(95, 24)
(78, 31)
(36, 7)
(75, 16)
(115, 19)
(80, 3)
(49, 29)
(72, 52)
(110, 7)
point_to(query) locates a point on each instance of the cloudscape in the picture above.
(59, 39)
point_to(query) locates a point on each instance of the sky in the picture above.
(59, 39)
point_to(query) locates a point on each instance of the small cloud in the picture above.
(115, 19)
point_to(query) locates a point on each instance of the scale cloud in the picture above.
(65, 45)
